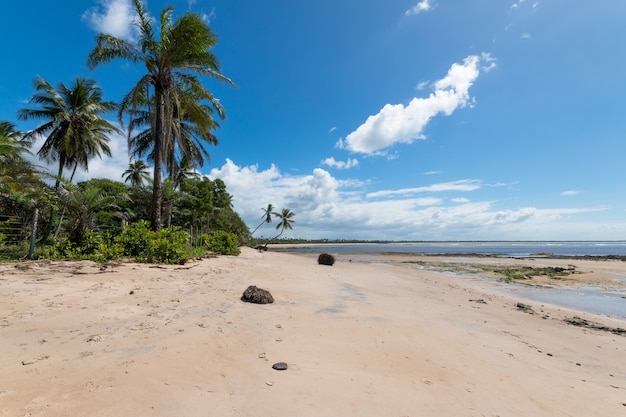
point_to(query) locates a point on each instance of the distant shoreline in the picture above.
(594, 250)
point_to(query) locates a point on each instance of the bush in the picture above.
(135, 239)
(169, 246)
(222, 242)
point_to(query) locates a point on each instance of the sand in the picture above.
(359, 339)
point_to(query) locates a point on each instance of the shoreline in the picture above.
(358, 338)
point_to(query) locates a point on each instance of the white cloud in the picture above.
(461, 185)
(422, 85)
(422, 6)
(332, 129)
(326, 207)
(396, 123)
(350, 163)
(209, 17)
(107, 167)
(526, 35)
(570, 193)
(113, 17)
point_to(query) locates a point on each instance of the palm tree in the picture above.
(8, 131)
(75, 129)
(267, 217)
(136, 173)
(173, 57)
(11, 144)
(285, 221)
(83, 201)
(16, 173)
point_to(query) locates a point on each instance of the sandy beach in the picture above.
(389, 337)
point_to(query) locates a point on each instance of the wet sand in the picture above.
(379, 338)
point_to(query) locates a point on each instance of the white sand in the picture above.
(360, 340)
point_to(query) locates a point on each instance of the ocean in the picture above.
(509, 249)
(609, 303)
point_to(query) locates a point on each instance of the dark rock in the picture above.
(326, 259)
(280, 366)
(525, 308)
(256, 295)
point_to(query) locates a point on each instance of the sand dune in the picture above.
(359, 339)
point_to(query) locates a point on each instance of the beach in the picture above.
(392, 336)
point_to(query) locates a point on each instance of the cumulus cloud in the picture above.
(113, 17)
(331, 162)
(327, 207)
(397, 123)
(422, 6)
(108, 167)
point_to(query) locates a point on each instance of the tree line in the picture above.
(170, 118)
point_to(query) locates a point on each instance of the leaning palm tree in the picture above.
(73, 124)
(174, 57)
(267, 217)
(136, 173)
(285, 221)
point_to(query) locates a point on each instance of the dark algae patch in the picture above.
(579, 322)
(510, 274)
(505, 273)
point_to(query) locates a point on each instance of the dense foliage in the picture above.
(170, 120)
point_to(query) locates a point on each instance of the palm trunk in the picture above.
(56, 234)
(157, 189)
(57, 184)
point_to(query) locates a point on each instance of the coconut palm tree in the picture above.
(11, 144)
(267, 217)
(9, 131)
(136, 173)
(285, 221)
(16, 172)
(174, 56)
(75, 129)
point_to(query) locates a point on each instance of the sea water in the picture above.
(590, 300)
(507, 249)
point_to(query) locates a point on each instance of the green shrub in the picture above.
(222, 242)
(136, 238)
(169, 246)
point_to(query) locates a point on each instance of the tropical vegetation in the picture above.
(169, 117)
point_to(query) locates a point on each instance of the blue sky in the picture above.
(395, 119)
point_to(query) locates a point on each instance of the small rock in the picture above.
(256, 295)
(280, 366)
(326, 259)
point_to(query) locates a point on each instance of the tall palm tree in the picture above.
(267, 217)
(75, 129)
(136, 173)
(174, 58)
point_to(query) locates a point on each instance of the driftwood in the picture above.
(256, 295)
(326, 259)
